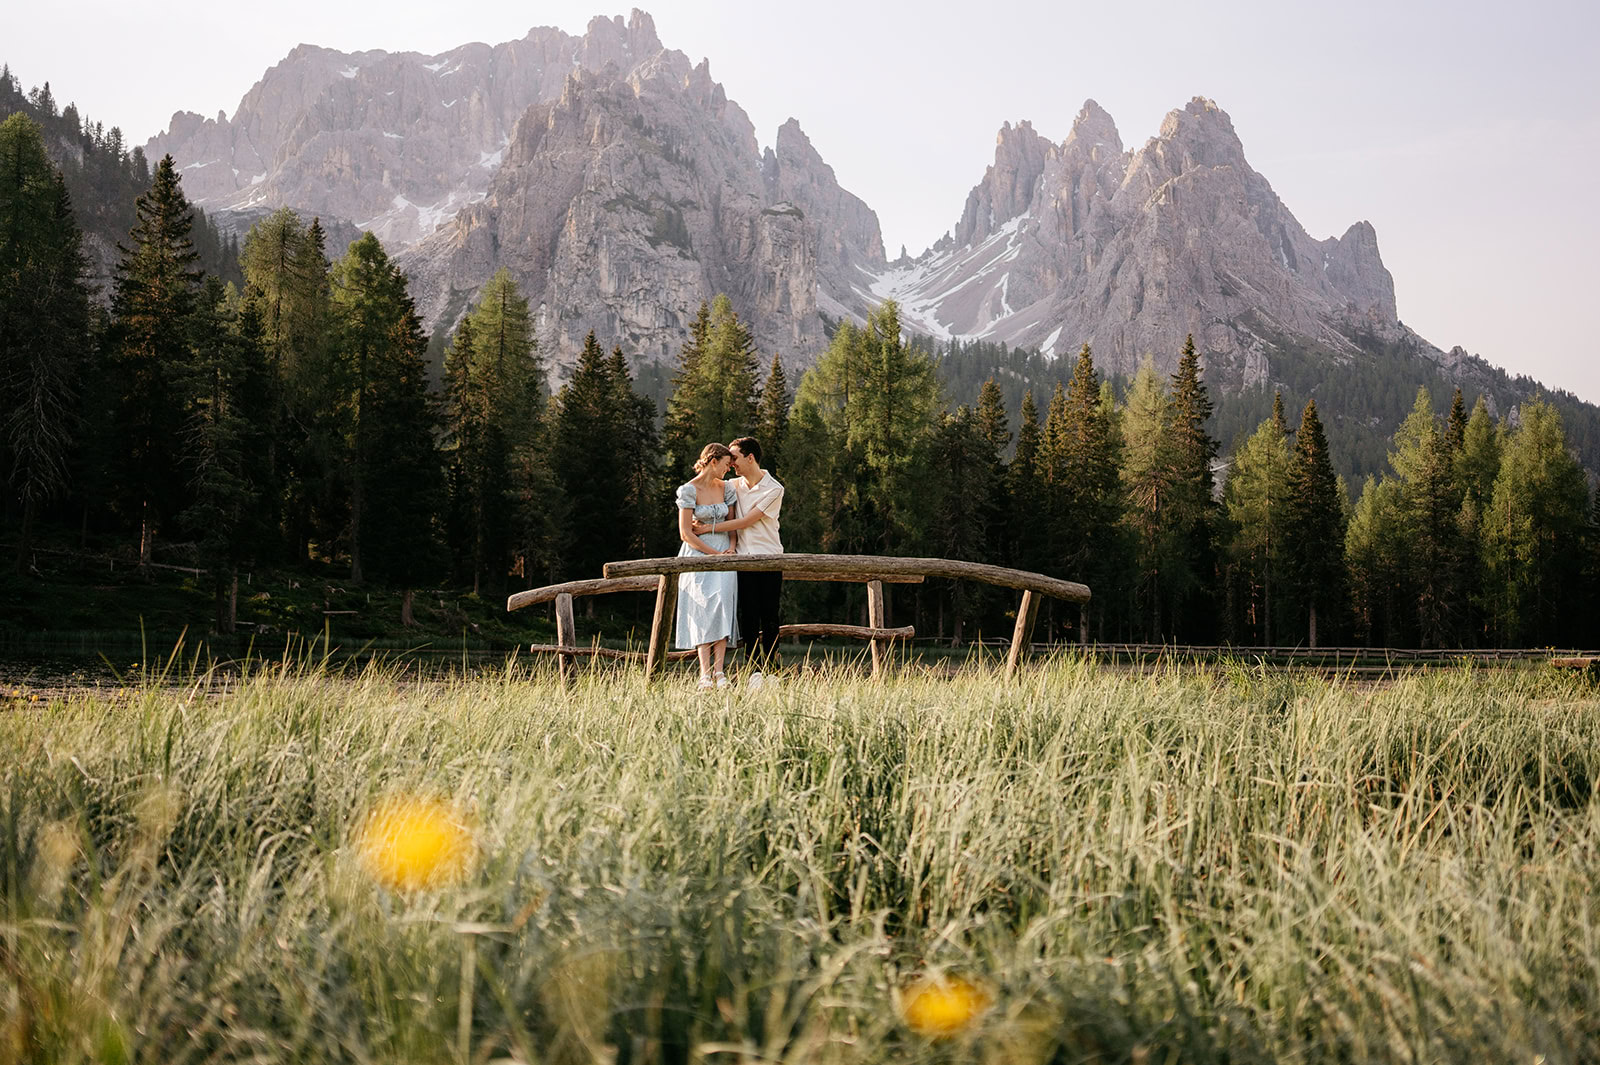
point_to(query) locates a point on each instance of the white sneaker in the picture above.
(757, 679)
(723, 681)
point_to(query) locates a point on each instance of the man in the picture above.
(760, 499)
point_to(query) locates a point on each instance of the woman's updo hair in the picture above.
(711, 453)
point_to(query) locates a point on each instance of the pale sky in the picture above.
(1467, 132)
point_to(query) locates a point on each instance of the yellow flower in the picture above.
(411, 844)
(942, 1005)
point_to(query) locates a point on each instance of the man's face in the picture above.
(743, 464)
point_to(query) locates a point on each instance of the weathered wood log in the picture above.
(608, 586)
(661, 624)
(1022, 634)
(534, 596)
(872, 567)
(566, 635)
(876, 620)
(601, 652)
(854, 632)
(856, 578)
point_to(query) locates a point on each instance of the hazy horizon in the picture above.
(1467, 136)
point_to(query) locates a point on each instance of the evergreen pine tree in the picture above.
(224, 385)
(879, 399)
(44, 323)
(153, 298)
(1256, 500)
(1192, 507)
(1149, 485)
(285, 268)
(1055, 483)
(682, 433)
(963, 481)
(1376, 562)
(1314, 531)
(493, 413)
(1532, 531)
(772, 415)
(1091, 488)
(639, 470)
(585, 460)
(1025, 544)
(1456, 427)
(388, 424)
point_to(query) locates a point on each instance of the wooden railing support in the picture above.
(661, 624)
(880, 647)
(1083, 624)
(1022, 634)
(873, 567)
(566, 636)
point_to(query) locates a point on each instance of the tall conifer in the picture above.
(1314, 533)
(772, 415)
(589, 467)
(44, 323)
(153, 298)
(388, 424)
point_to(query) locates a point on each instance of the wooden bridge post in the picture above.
(661, 624)
(1022, 635)
(1083, 624)
(566, 636)
(875, 620)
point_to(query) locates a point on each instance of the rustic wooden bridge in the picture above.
(661, 575)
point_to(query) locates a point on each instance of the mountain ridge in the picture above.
(650, 193)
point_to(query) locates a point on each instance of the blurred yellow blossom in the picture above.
(942, 1005)
(410, 844)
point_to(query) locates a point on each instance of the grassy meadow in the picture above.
(1218, 865)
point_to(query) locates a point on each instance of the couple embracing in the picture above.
(721, 516)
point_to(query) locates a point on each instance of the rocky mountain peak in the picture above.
(1008, 185)
(1093, 128)
(1200, 134)
(611, 40)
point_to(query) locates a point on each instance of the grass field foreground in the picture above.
(1220, 865)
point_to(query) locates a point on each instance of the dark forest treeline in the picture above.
(105, 177)
(288, 419)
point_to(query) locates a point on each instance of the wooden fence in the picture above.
(661, 576)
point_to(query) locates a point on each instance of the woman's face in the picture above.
(722, 465)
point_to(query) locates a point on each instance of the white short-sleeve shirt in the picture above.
(766, 496)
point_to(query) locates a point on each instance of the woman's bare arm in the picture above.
(732, 524)
(687, 535)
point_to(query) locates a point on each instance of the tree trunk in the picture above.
(25, 540)
(233, 601)
(355, 531)
(406, 617)
(146, 535)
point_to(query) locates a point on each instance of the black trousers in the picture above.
(758, 616)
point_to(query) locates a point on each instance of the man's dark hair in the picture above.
(748, 445)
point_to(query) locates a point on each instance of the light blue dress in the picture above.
(707, 602)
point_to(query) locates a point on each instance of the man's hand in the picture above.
(699, 527)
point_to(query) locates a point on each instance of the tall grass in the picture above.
(1208, 866)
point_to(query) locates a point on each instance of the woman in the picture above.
(706, 601)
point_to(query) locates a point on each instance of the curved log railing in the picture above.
(661, 574)
(872, 568)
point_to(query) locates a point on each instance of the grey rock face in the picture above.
(615, 180)
(620, 207)
(1132, 250)
(392, 142)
